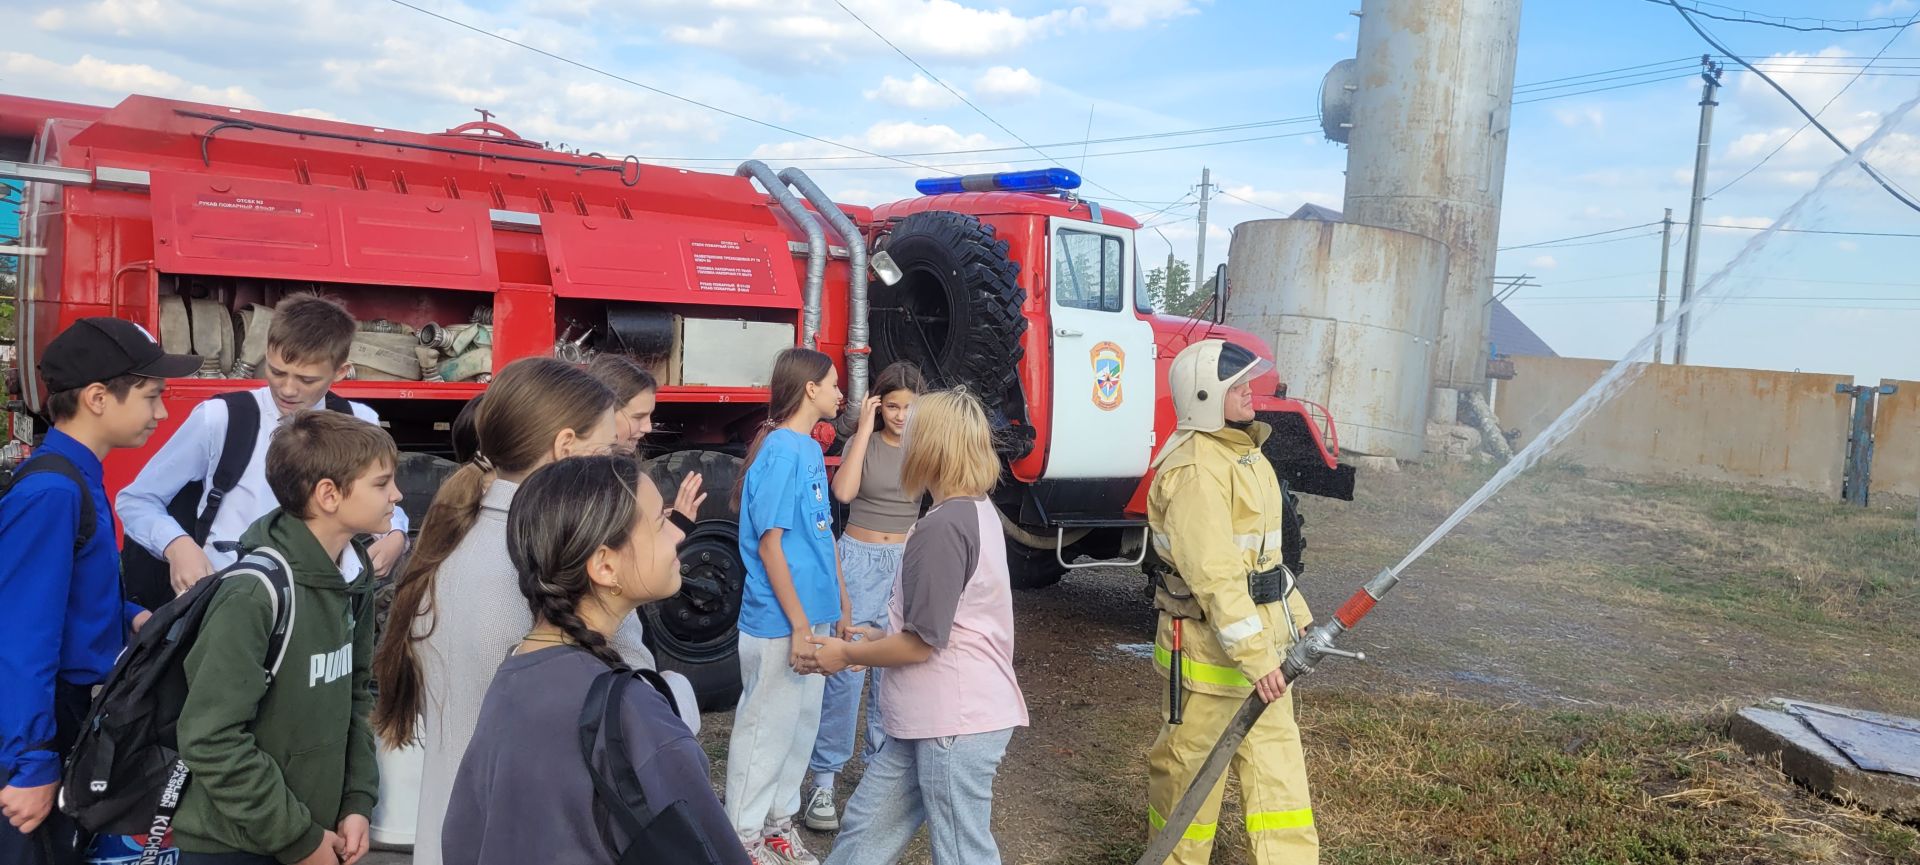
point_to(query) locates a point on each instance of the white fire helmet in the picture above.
(1200, 377)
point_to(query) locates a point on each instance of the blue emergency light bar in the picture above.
(1037, 180)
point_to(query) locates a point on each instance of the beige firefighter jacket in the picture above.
(1215, 510)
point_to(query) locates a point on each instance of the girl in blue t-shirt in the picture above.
(793, 590)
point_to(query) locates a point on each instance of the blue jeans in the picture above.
(946, 783)
(869, 570)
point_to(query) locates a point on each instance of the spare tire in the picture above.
(956, 311)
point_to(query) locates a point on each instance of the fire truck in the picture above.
(193, 220)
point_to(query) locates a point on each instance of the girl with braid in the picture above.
(458, 609)
(591, 541)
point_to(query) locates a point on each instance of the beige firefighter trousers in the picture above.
(1273, 781)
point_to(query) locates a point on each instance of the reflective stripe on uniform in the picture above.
(1195, 831)
(1256, 542)
(1241, 631)
(1211, 674)
(1268, 821)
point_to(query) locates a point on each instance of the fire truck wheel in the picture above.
(956, 310)
(419, 477)
(693, 632)
(1032, 567)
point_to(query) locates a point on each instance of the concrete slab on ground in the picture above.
(1858, 757)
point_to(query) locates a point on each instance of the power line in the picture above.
(652, 89)
(1603, 89)
(1811, 119)
(1823, 109)
(1579, 236)
(1832, 25)
(1052, 161)
(1640, 236)
(1224, 192)
(1688, 60)
(1815, 231)
(977, 150)
(969, 103)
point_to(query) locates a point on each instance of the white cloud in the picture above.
(893, 136)
(1882, 10)
(1543, 262)
(1006, 82)
(1342, 36)
(1742, 221)
(1284, 201)
(781, 32)
(90, 77)
(1575, 117)
(1134, 14)
(1847, 246)
(916, 92)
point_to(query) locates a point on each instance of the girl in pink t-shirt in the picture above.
(950, 694)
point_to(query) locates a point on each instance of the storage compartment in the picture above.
(704, 347)
(406, 334)
(712, 352)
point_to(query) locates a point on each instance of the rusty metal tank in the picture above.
(1352, 313)
(1430, 95)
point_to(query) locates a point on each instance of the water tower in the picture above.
(1424, 111)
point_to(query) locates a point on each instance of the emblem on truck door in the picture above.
(1109, 361)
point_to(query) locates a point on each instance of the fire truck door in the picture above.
(1103, 368)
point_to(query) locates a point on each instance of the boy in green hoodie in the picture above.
(283, 771)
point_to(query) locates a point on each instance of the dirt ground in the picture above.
(1570, 608)
(1549, 685)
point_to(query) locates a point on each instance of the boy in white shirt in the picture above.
(307, 347)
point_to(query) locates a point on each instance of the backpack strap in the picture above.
(617, 784)
(267, 565)
(610, 789)
(336, 402)
(48, 462)
(236, 451)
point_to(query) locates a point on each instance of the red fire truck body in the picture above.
(157, 208)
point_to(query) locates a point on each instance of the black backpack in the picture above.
(146, 579)
(653, 834)
(124, 775)
(48, 462)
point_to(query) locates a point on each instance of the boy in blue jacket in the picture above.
(62, 619)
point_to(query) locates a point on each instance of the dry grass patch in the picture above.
(1427, 779)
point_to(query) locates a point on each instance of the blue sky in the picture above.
(1579, 163)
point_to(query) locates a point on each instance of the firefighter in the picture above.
(1228, 610)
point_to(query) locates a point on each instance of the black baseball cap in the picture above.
(99, 349)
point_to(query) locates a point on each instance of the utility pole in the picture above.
(1710, 74)
(1660, 306)
(1200, 257)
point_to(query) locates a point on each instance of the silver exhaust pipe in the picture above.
(857, 332)
(816, 243)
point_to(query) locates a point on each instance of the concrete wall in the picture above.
(1734, 425)
(1896, 440)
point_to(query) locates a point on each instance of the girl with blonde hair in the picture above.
(952, 701)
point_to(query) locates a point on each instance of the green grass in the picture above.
(1429, 779)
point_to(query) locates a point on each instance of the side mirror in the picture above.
(885, 268)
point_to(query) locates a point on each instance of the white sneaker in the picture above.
(820, 816)
(759, 854)
(785, 843)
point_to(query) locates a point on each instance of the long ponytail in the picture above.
(527, 405)
(793, 370)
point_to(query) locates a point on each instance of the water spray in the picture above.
(1318, 643)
